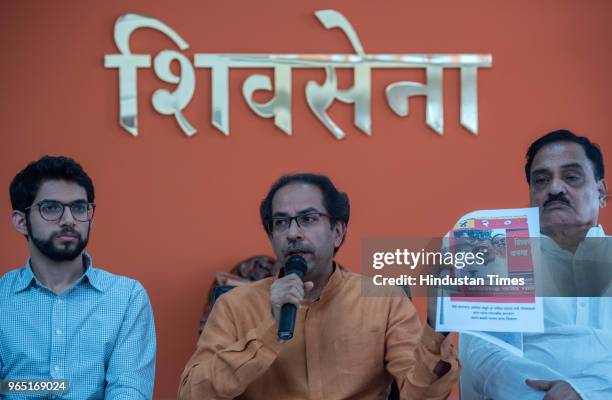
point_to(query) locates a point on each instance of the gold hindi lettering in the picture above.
(319, 96)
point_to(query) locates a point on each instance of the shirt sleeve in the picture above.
(224, 364)
(497, 373)
(413, 353)
(131, 370)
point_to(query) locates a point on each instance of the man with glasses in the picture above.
(69, 330)
(345, 345)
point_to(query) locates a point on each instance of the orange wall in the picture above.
(173, 210)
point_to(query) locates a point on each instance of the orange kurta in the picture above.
(345, 346)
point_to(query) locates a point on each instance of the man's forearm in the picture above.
(496, 373)
(221, 372)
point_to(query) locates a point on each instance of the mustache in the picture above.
(294, 247)
(556, 197)
(68, 231)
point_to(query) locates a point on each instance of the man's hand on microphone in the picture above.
(288, 289)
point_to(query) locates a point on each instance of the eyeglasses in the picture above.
(304, 221)
(52, 210)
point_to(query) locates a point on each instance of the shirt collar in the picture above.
(91, 275)
(333, 281)
(27, 277)
(595, 232)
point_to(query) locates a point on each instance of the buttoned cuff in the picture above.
(430, 357)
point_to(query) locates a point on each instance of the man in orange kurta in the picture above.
(345, 345)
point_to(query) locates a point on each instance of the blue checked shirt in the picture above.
(98, 335)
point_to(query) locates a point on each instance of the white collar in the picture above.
(550, 245)
(596, 231)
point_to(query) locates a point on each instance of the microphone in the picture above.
(295, 265)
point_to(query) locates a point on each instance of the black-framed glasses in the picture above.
(53, 210)
(304, 221)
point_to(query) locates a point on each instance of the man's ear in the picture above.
(602, 188)
(339, 232)
(19, 221)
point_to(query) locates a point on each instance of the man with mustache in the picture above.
(345, 345)
(572, 359)
(87, 331)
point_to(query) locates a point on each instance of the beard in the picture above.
(65, 252)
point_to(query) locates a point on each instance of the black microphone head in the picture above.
(296, 265)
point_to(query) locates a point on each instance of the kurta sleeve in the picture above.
(224, 364)
(413, 352)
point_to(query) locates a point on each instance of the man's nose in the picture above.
(67, 218)
(557, 186)
(294, 231)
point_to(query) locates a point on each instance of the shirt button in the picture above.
(582, 304)
(57, 368)
(60, 301)
(58, 331)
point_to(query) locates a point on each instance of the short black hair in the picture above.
(27, 182)
(591, 150)
(335, 202)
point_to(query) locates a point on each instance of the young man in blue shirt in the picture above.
(64, 321)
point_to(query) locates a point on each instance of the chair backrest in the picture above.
(250, 270)
(217, 291)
